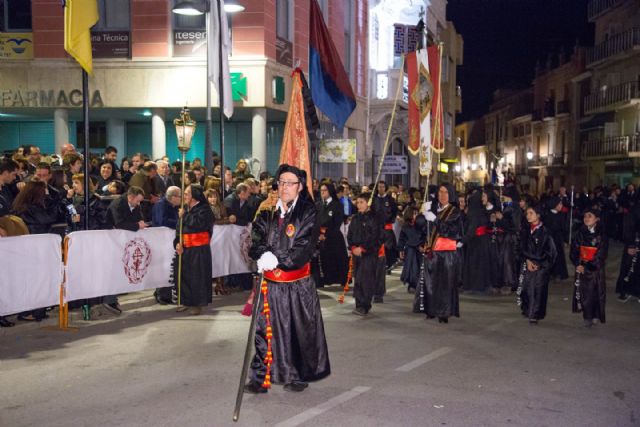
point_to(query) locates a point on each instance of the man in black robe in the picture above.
(628, 283)
(386, 208)
(365, 238)
(291, 347)
(557, 224)
(197, 226)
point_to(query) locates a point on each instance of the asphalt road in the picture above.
(154, 367)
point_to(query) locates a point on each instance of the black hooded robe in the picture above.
(299, 345)
(538, 247)
(195, 288)
(332, 262)
(365, 231)
(593, 292)
(411, 237)
(558, 226)
(628, 282)
(437, 292)
(479, 268)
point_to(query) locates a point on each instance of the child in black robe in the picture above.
(588, 254)
(410, 239)
(365, 238)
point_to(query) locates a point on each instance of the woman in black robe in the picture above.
(332, 261)
(589, 253)
(477, 272)
(365, 238)
(539, 254)
(557, 225)
(509, 220)
(197, 226)
(438, 293)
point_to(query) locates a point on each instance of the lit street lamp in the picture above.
(192, 8)
(185, 129)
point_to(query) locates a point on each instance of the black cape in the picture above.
(332, 261)
(365, 231)
(195, 288)
(299, 345)
(592, 288)
(539, 248)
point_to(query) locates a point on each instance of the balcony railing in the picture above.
(611, 96)
(615, 44)
(614, 147)
(598, 7)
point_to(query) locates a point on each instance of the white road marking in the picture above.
(324, 407)
(421, 361)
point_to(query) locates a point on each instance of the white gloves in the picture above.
(267, 262)
(459, 245)
(426, 207)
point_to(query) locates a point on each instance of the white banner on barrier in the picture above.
(230, 250)
(31, 268)
(109, 262)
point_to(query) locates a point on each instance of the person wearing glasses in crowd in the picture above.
(284, 239)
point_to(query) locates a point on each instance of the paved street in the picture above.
(154, 367)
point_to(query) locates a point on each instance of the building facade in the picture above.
(150, 62)
(609, 95)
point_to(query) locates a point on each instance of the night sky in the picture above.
(503, 39)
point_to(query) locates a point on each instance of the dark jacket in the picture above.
(39, 219)
(121, 217)
(243, 214)
(386, 208)
(164, 214)
(366, 231)
(293, 241)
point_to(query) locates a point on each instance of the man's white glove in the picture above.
(426, 207)
(459, 245)
(267, 262)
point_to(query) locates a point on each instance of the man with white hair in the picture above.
(163, 180)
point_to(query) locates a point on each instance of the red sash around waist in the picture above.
(281, 276)
(482, 230)
(193, 240)
(381, 252)
(388, 227)
(588, 253)
(444, 244)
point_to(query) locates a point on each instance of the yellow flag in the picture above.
(79, 17)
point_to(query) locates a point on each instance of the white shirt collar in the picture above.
(441, 208)
(280, 205)
(554, 211)
(329, 199)
(489, 206)
(592, 229)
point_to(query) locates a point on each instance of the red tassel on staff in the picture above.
(266, 312)
(346, 285)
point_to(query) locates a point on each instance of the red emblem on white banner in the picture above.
(136, 260)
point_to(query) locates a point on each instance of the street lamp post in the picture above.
(191, 7)
(185, 128)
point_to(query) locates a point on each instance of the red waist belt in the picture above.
(588, 253)
(381, 252)
(388, 227)
(278, 275)
(444, 244)
(482, 230)
(193, 240)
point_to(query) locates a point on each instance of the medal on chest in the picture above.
(290, 231)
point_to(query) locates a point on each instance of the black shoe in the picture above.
(378, 300)
(359, 311)
(533, 321)
(443, 320)
(624, 298)
(113, 308)
(4, 323)
(429, 317)
(254, 387)
(296, 386)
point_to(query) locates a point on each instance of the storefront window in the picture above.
(114, 15)
(15, 15)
